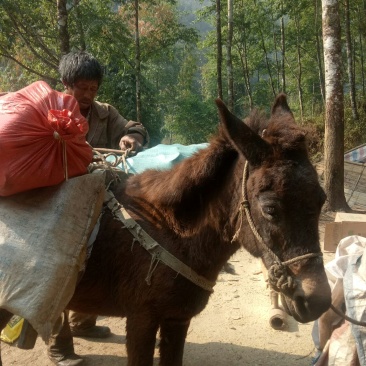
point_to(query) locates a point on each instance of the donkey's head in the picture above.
(282, 203)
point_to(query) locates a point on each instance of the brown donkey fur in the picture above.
(193, 210)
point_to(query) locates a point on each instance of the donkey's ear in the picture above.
(280, 106)
(243, 138)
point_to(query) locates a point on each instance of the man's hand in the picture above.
(132, 142)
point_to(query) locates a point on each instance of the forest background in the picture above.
(166, 61)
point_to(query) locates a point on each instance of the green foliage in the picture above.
(178, 65)
(193, 121)
(315, 137)
(354, 131)
(29, 37)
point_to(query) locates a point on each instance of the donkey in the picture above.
(165, 235)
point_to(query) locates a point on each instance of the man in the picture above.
(81, 75)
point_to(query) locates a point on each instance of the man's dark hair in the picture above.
(79, 65)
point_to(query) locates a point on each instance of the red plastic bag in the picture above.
(42, 139)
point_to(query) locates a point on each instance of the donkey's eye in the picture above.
(269, 210)
(269, 205)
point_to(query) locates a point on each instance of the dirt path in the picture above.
(233, 329)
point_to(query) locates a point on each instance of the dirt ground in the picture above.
(233, 329)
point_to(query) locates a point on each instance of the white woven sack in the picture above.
(43, 236)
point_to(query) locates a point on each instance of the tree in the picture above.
(334, 114)
(219, 50)
(137, 62)
(29, 38)
(319, 58)
(283, 51)
(350, 69)
(229, 60)
(62, 20)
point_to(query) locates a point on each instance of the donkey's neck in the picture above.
(196, 203)
(187, 195)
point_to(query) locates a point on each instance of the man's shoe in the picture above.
(69, 360)
(96, 331)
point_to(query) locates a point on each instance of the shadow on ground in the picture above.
(215, 354)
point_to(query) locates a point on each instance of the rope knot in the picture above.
(244, 204)
(280, 280)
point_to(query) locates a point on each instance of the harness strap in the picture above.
(158, 253)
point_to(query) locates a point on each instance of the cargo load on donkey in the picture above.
(42, 136)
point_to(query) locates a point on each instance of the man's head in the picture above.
(81, 75)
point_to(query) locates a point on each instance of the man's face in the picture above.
(84, 92)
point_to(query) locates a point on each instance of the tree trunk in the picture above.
(276, 54)
(137, 63)
(360, 12)
(319, 53)
(299, 66)
(244, 64)
(362, 66)
(219, 50)
(267, 63)
(351, 75)
(230, 78)
(283, 47)
(334, 114)
(79, 24)
(62, 17)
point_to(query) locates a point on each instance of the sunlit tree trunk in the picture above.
(362, 61)
(350, 70)
(299, 68)
(334, 114)
(62, 18)
(319, 52)
(137, 63)
(283, 50)
(277, 61)
(230, 78)
(219, 50)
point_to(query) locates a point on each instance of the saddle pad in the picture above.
(43, 237)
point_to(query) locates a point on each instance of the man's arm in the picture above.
(126, 134)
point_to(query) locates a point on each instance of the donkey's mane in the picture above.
(185, 193)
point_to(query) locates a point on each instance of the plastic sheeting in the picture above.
(160, 157)
(346, 274)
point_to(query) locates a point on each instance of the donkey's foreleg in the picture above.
(5, 316)
(141, 332)
(173, 333)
